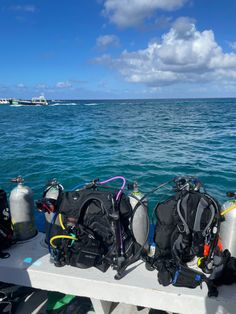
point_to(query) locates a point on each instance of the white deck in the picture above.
(29, 265)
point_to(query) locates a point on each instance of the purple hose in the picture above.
(117, 198)
(115, 178)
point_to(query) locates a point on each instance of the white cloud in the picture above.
(26, 8)
(21, 86)
(107, 40)
(42, 86)
(184, 54)
(63, 84)
(125, 13)
(233, 45)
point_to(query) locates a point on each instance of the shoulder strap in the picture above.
(74, 202)
(105, 199)
(183, 218)
(204, 201)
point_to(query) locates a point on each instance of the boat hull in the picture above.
(28, 103)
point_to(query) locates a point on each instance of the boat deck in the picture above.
(29, 265)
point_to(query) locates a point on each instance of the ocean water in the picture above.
(150, 141)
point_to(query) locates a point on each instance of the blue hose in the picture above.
(78, 187)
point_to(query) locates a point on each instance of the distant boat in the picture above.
(41, 100)
(4, 101)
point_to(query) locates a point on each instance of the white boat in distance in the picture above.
(41, 100)
(4, 101)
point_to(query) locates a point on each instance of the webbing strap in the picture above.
(186, 228)
(200, 209)
(203, 203)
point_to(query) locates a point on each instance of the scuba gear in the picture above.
(228, 227)
(48, 204)
(95, 229)
(51, 197)
(6, 232)
(140, 221)
(189, 278)
(187, 225)
(152, 249)
(11, 297)
(227, 276)
(187, 183)
(231, 194)
(22, 211)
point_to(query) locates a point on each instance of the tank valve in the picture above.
(18, 179)
(231, 194)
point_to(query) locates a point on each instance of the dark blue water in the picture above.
(151, 141)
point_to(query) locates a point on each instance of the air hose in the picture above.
(61, 236)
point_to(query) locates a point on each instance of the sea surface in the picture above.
(151, 141)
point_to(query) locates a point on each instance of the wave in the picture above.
(92, 104)
(151, 143)
(64, 104)
(20, 105)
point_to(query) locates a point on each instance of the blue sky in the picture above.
(98, 49)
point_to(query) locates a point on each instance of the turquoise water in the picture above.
(151, 141)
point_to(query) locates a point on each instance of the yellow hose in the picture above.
(228, 209)
(62, 236)
(61, 222)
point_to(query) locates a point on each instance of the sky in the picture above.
(117, 49)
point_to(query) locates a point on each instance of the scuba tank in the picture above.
(22, 211)
(228, 226)
(51, 195)
(140, 219)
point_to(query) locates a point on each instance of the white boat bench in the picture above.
(29, 265)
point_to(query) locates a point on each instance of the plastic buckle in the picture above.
(181, 230)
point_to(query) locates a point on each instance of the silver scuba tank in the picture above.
(228, 226)
(52, 193)
(21, 203)
(140, 219)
